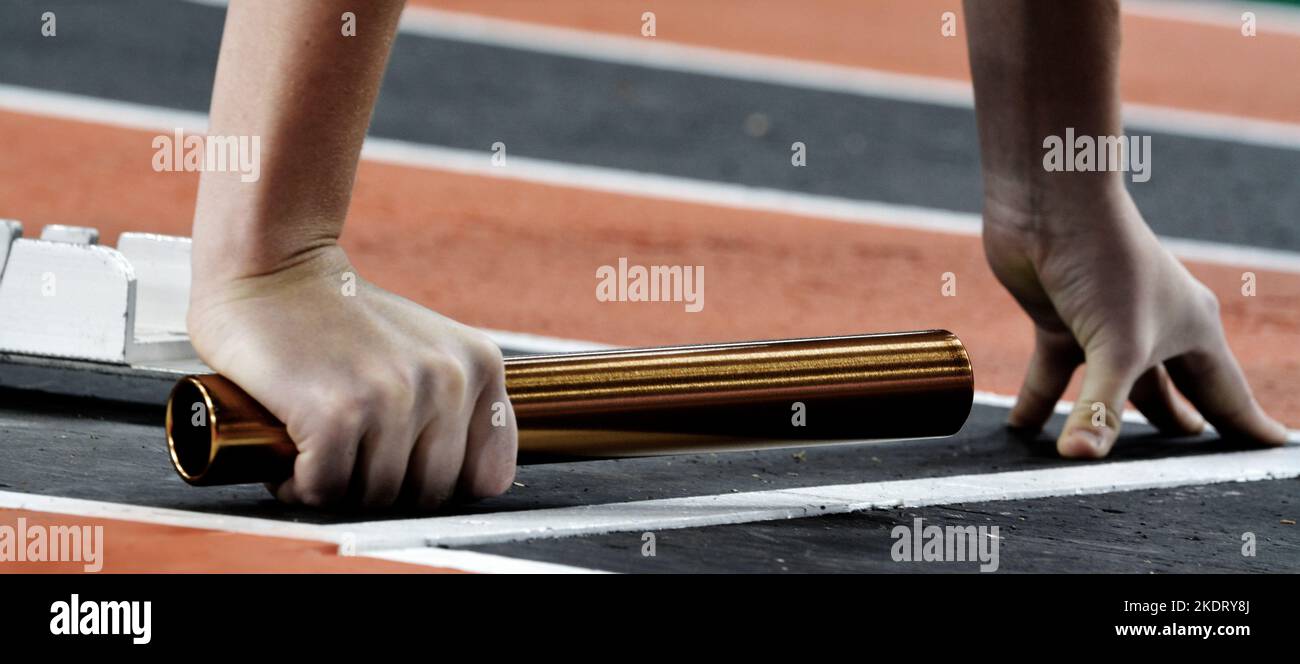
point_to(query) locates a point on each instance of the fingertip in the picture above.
(1275, 433)
(1257, 428)
(1184, 422)
(1084, 443)
(284, 492)
(1022, 422)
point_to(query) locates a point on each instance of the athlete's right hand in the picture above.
(383, 398)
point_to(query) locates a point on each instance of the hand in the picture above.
(1101, 290)
(384, 398)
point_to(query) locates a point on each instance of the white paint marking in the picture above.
(388, 536)
(1202, 12)
(471, 561)
(755, 506)
(628, 183)
(104, 112)
(808, 74)
(805, 74)
(94, 509)
(759, 199)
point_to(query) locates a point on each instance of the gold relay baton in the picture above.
(643, 402)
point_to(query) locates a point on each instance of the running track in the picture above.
(625, 146)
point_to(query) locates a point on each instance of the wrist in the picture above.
(1054, 204)
(242, 273)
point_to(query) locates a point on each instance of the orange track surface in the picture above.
(131, 547)
(523, 257)
(1163, 62)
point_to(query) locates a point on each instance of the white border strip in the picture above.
(805, 74)
(465, 561)
(391, 539)
(162, 516)
(1202, 12)
(775, 505)
(808, 74)
(472, 561)
(609, 180)
(760, 199)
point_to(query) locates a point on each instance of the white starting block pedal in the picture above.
(82, 319)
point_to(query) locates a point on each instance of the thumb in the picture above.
(1093, 426)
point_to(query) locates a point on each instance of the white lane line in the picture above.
(390, 539)
(669, 56)
(433, 557)
(162, 516)
(826, 77)
(1214, 13)
(774, 505)
(471, 561)
(615, 181)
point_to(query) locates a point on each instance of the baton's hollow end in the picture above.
(218, 434)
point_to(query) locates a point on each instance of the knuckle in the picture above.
(326, 414)
(451, 380)
(343, 410)
(379, 391)
(485, 354)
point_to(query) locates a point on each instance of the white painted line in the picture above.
(755, 506)
(759, 199)
(376, 537)
(628, 183)
(162, 516)
(805, 74)
(1203, 12)
(94, 110)
(471, 561)
(94, 509)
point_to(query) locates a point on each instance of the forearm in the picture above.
(1040, 68)
(288, 76)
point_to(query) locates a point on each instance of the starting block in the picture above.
(78, 318)
(81, 319)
